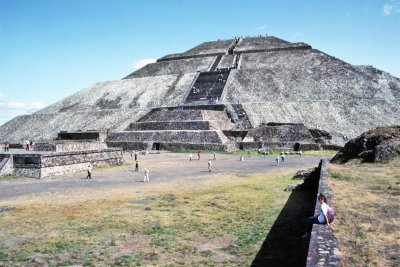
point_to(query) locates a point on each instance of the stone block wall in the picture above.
(130, 145)
(27, 172)
(169, 125)
(64, 146)
(280, 146)
(173, 115)
(167, 136)
(175, 146)
(323, 250)
(61, 170)
(295, 132)
(59, 163)
(88, 135)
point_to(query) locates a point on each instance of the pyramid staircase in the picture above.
(177, 128)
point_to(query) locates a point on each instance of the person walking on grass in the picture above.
(321, 218)
(146, 175)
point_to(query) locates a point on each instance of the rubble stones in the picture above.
(376, 145)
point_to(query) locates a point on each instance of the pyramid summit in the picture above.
(220, 91)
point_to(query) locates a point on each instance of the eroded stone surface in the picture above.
(271, 79)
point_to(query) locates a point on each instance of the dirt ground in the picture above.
(162, 167)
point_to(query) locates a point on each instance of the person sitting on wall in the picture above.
(321, 218)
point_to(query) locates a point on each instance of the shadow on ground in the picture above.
(283, 245)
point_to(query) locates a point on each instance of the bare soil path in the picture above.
(162, 167)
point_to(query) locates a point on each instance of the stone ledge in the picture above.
(323, 250)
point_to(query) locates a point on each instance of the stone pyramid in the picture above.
(217, 91)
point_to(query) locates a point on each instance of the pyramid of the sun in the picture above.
(253, 80)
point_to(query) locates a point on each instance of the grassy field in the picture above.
(367, 206)
(221, 221)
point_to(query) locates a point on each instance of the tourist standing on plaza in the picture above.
(89, 171)
(146, 175)
(209, 166)
(27, 144)
(190, 157)
(6, 146)
(277, 160)
(198, 155)
(215, 156)
(137, 166)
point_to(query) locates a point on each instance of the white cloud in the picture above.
(388, 10)
(298, 35)
(9, 110)
(2, 95)
(143, 62)
(22, 106)
(16, 105)
(262, 27)
(37, 105)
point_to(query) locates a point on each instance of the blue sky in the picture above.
(51, 49)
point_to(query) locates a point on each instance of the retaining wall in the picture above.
(64, 146)
(167, 136)
(323, 249)
(280, 145)
(59, 163)
(169, 125)
(172, 146)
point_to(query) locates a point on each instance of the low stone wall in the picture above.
(64, 146)
(64, 169)
(27, 172)
(103, 157)
(173, 115)
(228, 146)
(192, 146)
(166, 136)
(280, 145)
(323, 249)
(88, 135)
(279, 133)
(59, 163)
(130, 145)
(169, 125)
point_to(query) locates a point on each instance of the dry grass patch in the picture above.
(367, 203)
(219, 221)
